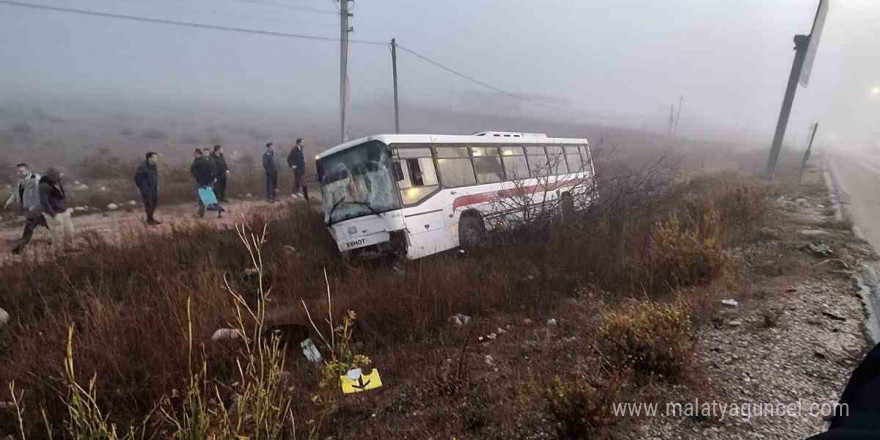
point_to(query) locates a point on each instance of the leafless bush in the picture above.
(651, 338)
(582, 403)
(531, 206)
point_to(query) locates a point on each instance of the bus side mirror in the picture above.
(398, 171)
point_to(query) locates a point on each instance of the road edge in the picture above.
(866, 280)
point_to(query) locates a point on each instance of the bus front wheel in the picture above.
(471, 232)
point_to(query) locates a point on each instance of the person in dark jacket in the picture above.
(222, 172)
(53, 201)
(272, 166)
(204, 171)
(296, 161)
(147, 180)
(855, 416)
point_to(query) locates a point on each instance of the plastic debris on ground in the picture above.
(355, 381)
(820, 249)
(310, 351)
(730, 302)
(460, 319)
(225, 334)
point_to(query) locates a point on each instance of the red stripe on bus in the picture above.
(473, 199)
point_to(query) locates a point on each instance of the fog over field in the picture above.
(71, 81)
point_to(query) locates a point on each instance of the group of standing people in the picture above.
(44, 203)
(211, 171)
(272, 166)
(43, 200)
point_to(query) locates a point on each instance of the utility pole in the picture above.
(805, 47)
(671, 117)
(394, 72)
(815, 127)
(801, 42)
(343, 64)
(678, 113)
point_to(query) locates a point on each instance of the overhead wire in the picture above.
(489, 86)
(292, 7)
(182, 23)
(289, 35)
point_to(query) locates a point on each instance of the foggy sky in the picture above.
(620, 62)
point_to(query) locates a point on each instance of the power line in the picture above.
(284, 35)
(182, 23)
(295, 8)
(489, 86)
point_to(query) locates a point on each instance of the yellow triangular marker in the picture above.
(357, 382)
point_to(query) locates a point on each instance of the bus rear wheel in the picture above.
(471, 232)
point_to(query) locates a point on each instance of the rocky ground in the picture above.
(795, 337)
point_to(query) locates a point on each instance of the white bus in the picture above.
(418, 194)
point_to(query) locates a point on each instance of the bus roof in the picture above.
(479, 138)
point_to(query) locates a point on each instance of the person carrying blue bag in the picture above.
(204, 171)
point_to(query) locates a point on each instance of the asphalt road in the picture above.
(857, 176)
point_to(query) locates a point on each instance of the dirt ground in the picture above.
(114, 225)
(796, 334)
(794, 337)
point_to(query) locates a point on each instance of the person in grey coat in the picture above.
(272, 166)
(27, 194)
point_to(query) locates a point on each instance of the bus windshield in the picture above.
(357, 182)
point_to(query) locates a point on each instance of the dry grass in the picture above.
(582, 403)
(648, 337)
(129, 303)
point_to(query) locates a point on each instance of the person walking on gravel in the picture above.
(296, 161)
(53, 200)
(272, 166)
(147, 180)
(27, 195)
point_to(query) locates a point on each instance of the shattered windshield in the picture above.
(357, 182)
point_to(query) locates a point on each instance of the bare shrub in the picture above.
(582, 404)
(649, 337)
(679, 257)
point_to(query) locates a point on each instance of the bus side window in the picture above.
(573, 157)
(538, 163)
(487, 163)
(415, 172)
(418, 178)
(514, 162)
(456, 168)
(556, 160)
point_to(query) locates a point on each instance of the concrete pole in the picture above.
(801, 42)
(815, 128)
(343, 65)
